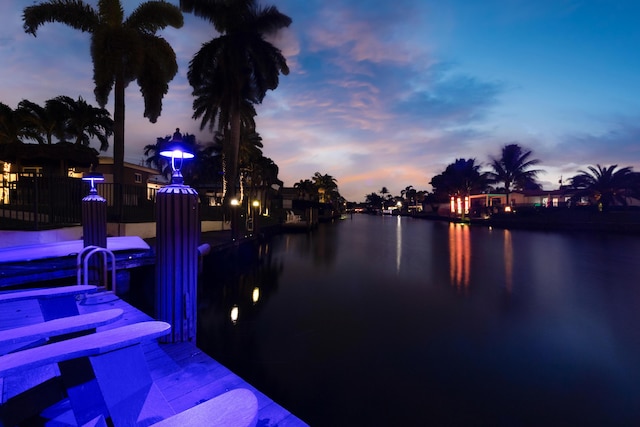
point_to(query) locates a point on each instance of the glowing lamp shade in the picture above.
(92, 178)
(177, 152)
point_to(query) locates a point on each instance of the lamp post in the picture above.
(94, 213)
(177, 235)
(94, 223)
(234, 218)
(255, 214)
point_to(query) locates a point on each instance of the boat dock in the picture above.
(183, 373)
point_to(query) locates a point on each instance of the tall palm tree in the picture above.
(605, 185)
(235, 68)
(513, 169)
(122, 50)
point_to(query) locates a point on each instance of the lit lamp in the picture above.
(252, 224)
(176, 151)
(177, 238)
(92, 178)
(234, 218)
(94, 213)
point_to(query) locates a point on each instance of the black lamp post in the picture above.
(177, 236)
(94, 222)
(94, 214)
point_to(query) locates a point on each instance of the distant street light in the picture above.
(92, 178)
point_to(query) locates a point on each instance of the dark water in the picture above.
(389, 321)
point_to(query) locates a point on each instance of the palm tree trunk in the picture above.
(232, 170)
(234, 149)
(118, 146)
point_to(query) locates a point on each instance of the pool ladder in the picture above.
(82, 266)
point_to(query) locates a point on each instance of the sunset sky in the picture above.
(389, 93)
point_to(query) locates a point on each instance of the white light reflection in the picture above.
(234, 314)
(398, 244)
(255, 296)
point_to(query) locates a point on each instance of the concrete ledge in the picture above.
(144, 230)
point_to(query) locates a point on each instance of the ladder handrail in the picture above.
(85, 266)
(79, 262)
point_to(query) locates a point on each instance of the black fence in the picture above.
(34, 202)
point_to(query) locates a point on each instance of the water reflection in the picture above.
(234, 314)
(314, 323)
(459, 255)
(232, 289)
(508, 260)
(398, 243)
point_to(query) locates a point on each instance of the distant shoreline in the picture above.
(556, 220)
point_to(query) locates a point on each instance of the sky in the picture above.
(387, 94)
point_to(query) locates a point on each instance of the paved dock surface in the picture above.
(185, 375)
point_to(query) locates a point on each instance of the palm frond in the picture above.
(74, 13)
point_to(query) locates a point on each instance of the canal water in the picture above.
(389, 321)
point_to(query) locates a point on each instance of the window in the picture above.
(137, 178)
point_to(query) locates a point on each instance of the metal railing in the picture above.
(36, 202)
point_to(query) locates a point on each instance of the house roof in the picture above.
(109, 161)
(47, 154)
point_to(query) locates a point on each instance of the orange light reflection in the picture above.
(459, 255)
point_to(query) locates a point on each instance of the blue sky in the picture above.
(389, 93)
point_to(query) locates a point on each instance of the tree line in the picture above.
(515, 170)
(229, 75)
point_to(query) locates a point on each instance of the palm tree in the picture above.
(374, 201)
(262, 174)
(235, 68)
(513, 169)
(384, 191)
(250, 153)
(122, 50)
(14, 126)
(460, 178)
(327, 187)
(46, 121)
(306, 189)
(82, 121)
(606, 185)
